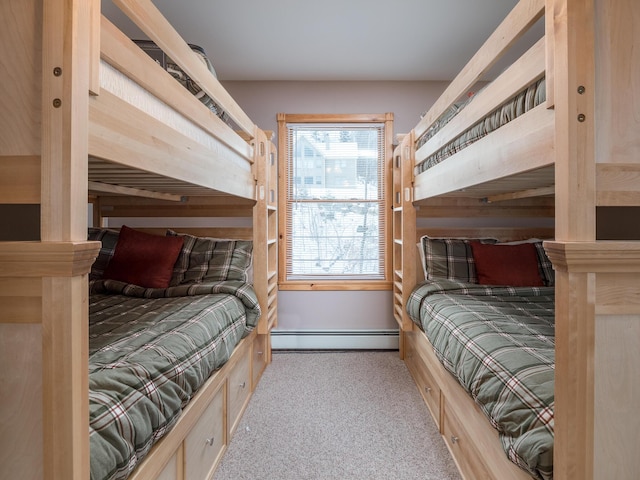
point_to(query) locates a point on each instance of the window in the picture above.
(334, 228)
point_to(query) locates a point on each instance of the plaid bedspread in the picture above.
(499, 343)
(148, 354)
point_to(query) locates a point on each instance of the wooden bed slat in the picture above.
(135, 192)
(149, 19)
(452, 207)
(532, 192)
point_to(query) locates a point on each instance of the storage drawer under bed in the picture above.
(259, 358)
(239, 389)
(418, 364)
(204, 444)
(466, 452)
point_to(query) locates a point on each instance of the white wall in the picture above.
(339, 310)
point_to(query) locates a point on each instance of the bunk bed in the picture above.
(110, 127)
(491, 159)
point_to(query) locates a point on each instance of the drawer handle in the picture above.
(454, 439)
(259, 353)
(427, 389)
(210, 441)
(243, 384)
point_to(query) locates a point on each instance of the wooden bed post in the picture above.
(574, 88)
(65, 87)
(44, 283)
(597, 312)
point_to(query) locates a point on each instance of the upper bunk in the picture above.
(497, 136)
(148, 135)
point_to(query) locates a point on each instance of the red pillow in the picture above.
(514, 265)
(143, 259)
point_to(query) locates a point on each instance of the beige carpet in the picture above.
(336, 415)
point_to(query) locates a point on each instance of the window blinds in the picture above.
(335, 201)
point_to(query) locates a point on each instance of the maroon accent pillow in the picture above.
(514, 265)
(143, 259)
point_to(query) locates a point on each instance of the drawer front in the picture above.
(239, 386)
(204, 445)
(465, 452)
(429, 389)
(170, 471)
(259, 358)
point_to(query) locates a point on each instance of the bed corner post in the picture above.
(65, 93)
(574, 90)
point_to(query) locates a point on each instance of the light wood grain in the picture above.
(65, 353)
(123, 134)
(523, 145)
(617, 391)
(618, 82)
(144, 14)
(101, 187)
(618, 293)
(120, 52)
(21, 401)
(20, 179)
(574, 140)
(617, 184)
(46, 259)
(20, 99)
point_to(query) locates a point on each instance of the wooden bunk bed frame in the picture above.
(67, 136)
(579, 151)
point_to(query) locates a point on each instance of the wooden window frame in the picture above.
(283, 154)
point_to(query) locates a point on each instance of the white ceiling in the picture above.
(331, 39)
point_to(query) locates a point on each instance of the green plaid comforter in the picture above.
(149, 352)
(499, 343)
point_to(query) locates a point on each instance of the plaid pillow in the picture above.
(204, 259)
(449, 258)
(545, 266)
(109, 238)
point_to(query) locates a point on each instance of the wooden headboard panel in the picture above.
(217, 206)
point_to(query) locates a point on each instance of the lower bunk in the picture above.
(172, 361)
(483, 359)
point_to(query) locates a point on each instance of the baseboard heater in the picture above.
(334, 339)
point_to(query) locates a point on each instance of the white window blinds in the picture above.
(335, 201)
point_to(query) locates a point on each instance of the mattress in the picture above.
(526, 100)
(499, 343)
(176, 72)
(149, 356)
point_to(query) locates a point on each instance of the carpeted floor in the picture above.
(336, 415)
